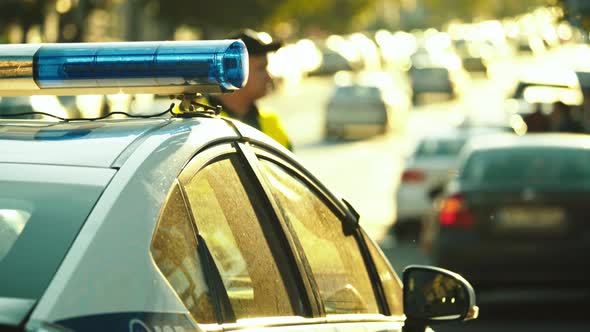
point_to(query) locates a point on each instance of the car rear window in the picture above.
(530, 165)
(357, 92)
(439, 148)
(436, 74)
(40, 215)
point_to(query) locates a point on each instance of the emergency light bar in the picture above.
(172, 67)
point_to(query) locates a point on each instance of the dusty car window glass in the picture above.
(336, 261)
(392, 286)
(174, 249)
(229, 224)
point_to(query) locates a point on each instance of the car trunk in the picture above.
(370, 113)
(555, 212)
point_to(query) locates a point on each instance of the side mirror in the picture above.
(434, 295)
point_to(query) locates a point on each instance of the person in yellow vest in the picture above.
(241, 104)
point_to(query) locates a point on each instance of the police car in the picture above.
(183, 222)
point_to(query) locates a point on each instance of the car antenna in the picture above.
(190, 107)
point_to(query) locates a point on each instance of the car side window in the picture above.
(392, 286)
(174, 249)
(335, 258)
(234, 233)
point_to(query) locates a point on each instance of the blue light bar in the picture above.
(128, 67)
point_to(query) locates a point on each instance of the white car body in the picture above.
(426, 172)
(136, 162)
(413, 197)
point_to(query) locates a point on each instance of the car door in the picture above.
(353, 293)
(245, 274)
(249, 270)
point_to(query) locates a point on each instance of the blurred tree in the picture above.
(576, 12)
(335, 16)
(210, 16)
(73, 15)
(441, 11)
(25, 13)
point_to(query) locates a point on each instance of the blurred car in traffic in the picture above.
(358, 110)
(190, 222)
(475, 64)
(337, 53)
(332, 62)
(473, 55)
(426, 171)
(437, 80)
(516, 214)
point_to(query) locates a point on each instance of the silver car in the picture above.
(357, 111)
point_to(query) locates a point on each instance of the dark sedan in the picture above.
(517, 213)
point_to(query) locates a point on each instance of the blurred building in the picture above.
(413, 15)
(577, 12)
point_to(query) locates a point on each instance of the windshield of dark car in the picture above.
(357, 92)
(38, 223)
(530, 165)
(434, 74)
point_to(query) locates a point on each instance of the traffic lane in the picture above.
(348, 167)
(366, 171)
(302, 108)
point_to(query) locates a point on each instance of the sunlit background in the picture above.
(358, 83)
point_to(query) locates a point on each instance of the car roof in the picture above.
(541, 140)
(77, 143)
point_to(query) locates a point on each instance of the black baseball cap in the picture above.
(254, 44)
